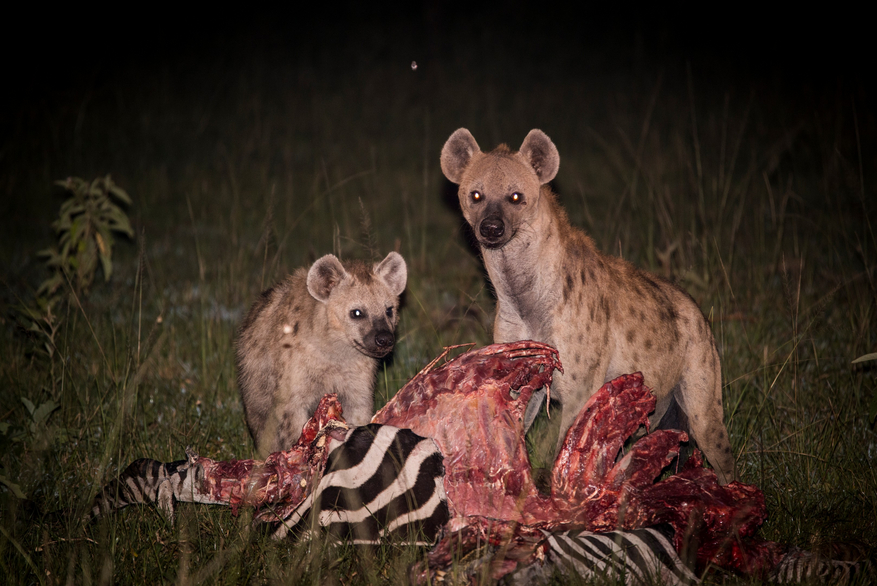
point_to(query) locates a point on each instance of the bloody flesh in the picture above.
(473, 407)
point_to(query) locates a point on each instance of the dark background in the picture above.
(47, 52)
(64, 66)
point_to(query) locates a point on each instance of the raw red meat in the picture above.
(281, 482)
(473, 408)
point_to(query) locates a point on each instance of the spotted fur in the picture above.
(318, 331)
(604, 316)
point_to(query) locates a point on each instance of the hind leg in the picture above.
(700, 396)
(674, 418)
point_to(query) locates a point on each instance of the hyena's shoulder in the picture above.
(286, 299)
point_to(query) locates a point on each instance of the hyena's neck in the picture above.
(524, 271)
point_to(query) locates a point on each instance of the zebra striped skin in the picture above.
(640, 556)
(806, 566)
(380, 482)
(147, 481)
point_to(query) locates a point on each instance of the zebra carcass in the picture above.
(362, 484)
(502, 526)
(474, 473)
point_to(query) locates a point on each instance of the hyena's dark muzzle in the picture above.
(492, 226)
(492, 232)
(379, 342)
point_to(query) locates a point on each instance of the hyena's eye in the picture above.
(357, 313)
(476, 196)
(516, 198)
(389, 312)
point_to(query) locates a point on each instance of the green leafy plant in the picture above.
(8, 435)
(39, 320)
(86, 222)
(40, 433)
(85, 226)
(35, 434)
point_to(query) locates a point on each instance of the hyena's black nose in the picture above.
(492, 228)
(385, 340)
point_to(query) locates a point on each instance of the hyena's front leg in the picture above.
(537, 400)
(284, 426)
(585, 368)
(572, 398)
(508, 327)
(357, 410)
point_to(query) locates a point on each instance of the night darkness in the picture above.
(798, 49)
(62, 60)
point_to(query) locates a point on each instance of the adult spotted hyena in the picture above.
(604, 316)
(318, 331)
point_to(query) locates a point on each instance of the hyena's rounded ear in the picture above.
(394, 272)
(456, 154)
(324, 275)
(538, 150)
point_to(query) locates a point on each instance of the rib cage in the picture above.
(380, 482)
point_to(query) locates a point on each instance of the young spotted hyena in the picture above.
(604, 316)
(318, 331)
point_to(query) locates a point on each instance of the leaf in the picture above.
(50, 285)
(49, 253)
(13, 488)
(107, 265)
(27, 403)
(866, 358)
(76, 229)
(120, 194)
(119, 222)
(41, 415)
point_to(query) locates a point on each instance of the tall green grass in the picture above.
(757, 200)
